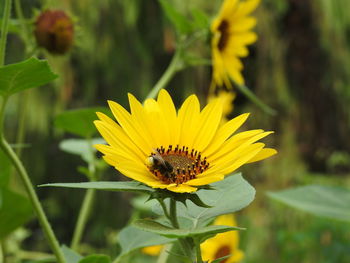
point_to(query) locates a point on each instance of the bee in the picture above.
(156, 162)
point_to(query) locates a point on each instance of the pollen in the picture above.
(177, 164)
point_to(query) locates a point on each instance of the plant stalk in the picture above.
(172, 69)
(250, 95)
(82, 218)
(4, 30)
(30, 189)
(87, 204)
(198, 251)
(186, 246)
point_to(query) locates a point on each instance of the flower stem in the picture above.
(198, 250)
(174, 66)
(82, 218)
(3, 246)
(173, 213)
(186, 246)
(87, 204)
(4, 30)
(250, 95)
(30, 189)
(25, 31)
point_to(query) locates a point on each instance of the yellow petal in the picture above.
(224, 132)
(243, 25)
(237, 143)
(139, 116)
(167, 107)
(210, 118)
(182, 188)
(205, 180)
(188, 120)
(246, 7)
(263, 154)
(116, 137)
(254, 150)
(140, 173)
(131, 128)
(158, 122)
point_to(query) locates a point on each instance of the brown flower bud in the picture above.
(54, 31)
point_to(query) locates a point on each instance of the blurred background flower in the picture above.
(223, 244)
(54, 31)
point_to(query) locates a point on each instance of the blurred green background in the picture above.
(299, 66)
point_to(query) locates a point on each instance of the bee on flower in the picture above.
(177, 150)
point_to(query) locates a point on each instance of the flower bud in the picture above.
(54, 31)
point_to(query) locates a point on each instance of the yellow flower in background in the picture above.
(227, 97)
(223, 244)
(232, 32)
(152, 250)
(178, 151)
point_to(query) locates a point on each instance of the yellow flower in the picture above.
(223, 244)
(152, 250)
(178, 151)
(227, 97)
(232, 33)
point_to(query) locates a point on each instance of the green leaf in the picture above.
(326, 201)
(200, 19)
(15, 210)
(81, 147)
(160, 229)
(27, 74)
(229, 195)
(180, 22)
(129, 186)
(70, 255)
(131, 238)
(96, 259)
(79, 121)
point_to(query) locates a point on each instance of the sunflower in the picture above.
(227, 97)
(178, 151)
(223, 244)
(231, 31)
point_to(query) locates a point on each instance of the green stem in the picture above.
(250, 95)
(162, 204)
(174, 66)
(87, 204)
(185, 244)
(4, 250)
(4, 30)
(30, 189)
(25, 31)
(173, 213)
(82, 218)
(22, 108)
(198, 251)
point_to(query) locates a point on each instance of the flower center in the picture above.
(176, 165)
(223, 251)
(224, 34)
